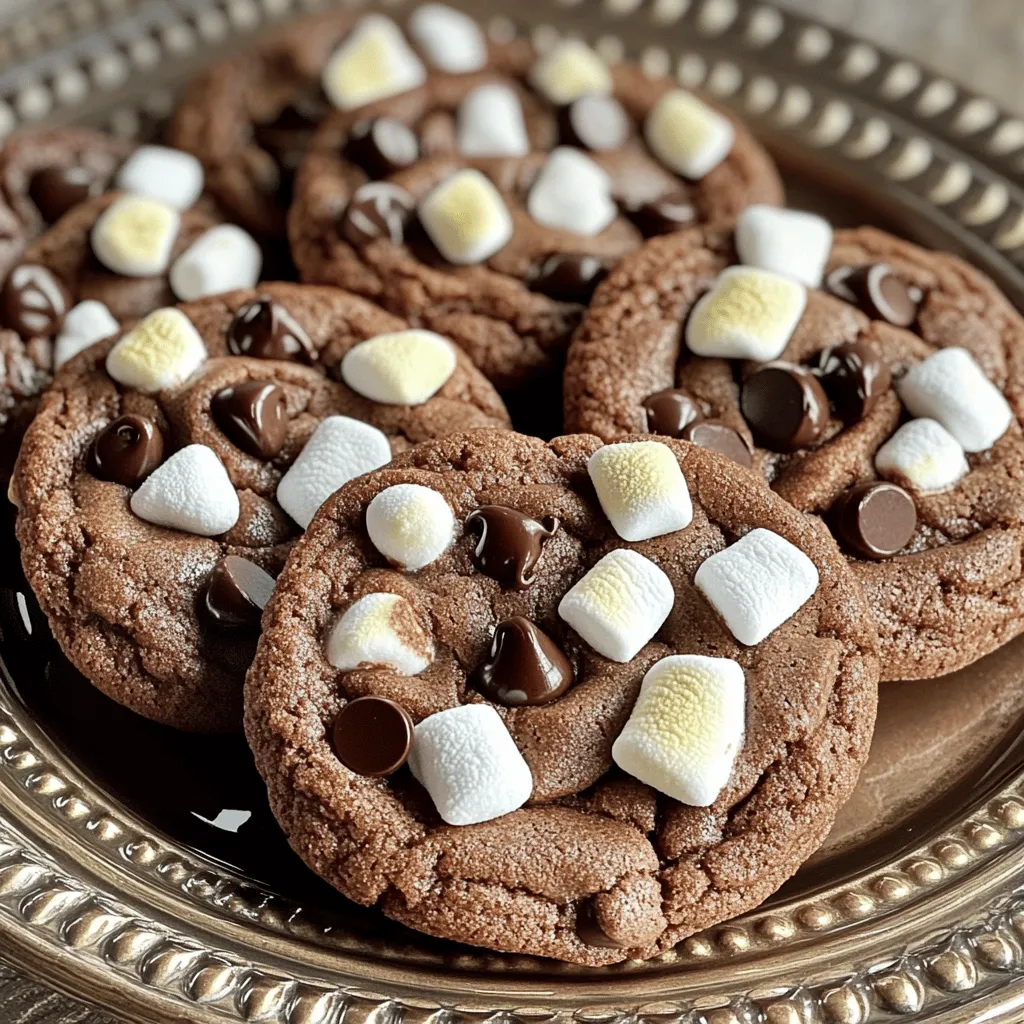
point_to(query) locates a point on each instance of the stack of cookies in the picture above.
(577, 697)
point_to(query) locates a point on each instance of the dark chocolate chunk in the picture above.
(786, 407)
(567, 277)
(377, 210)
(33, 301)
(254, 416)
(372, 736)
(878, 291)
(597, 123)
(55, 190)
(718, 437)
(525, 666)
(236, 593)
(510, 543)
(670, 412)
(264, 329)
(127, 450)
(855, 377)
(381, 146)
(874, 520)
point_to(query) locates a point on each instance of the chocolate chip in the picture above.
(597, 123)
(669, 412)
(855, 377)
(236, 593)
(672, 212)
(377, 210)
(717, 437)
(55, 190)
(877, 290)
(510, 543)
(33, 301)
(372, 736)
(264, 329)
(382, 146)
(127, 450)
(875, 520)
(567, 277)
(589, 931)
(786, 407)
(525, 666)
(254, 416)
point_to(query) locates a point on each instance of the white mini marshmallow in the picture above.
(686, 135)
(191, 491)
(162, 173)
(686, 728)
(134, 236)
(469, 764)
(450, 40)
(219, 260)
(569, 70)
(403, 368)
(788, 242)
(380, 629)
(466, 218)
(410, 525)
(572, 193)
(489, 122)
(922, 455)
(84, 325)
(373, 62)
(748, 314)
(641, 489)
(952, 388)
(162, 351)
(757, 584)
(619, 605)
(340, 449)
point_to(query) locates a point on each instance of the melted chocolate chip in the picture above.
(236, 593)
(525, 666)
(878, 291)
(382, 146)
(510, 543)
(33, 301)
(597, 123)
(55, 190)
(567, 277)
(874, 520)
(672, 212)
(786, 407)
(377, 210)
(670, 412)
(127, 450)
(372, 736)
(717, 437)
(264, 329)
(254, 416)
(589, 931)
(855, 377)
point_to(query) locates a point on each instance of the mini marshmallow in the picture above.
(619, 605)
(686, 135)
(84, 325)
(134, 236)
(569, 70)
(466, 218)
(373, 62)
(686, 728)
(380, 629)
(489, 122)
(403, 368)
(340, 449)
(220, 260)
(922, 455)
(162, 351)
(572, 193)
(641, 489)
(410, 525)
(162, 173)
(787, 242)
(450, 40)
(469, 764)
(748, 314)
(952, 388)
(191, 491)
(757, 584)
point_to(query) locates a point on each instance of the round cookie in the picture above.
(938, 552)
(562, 179)
(124, 523)
(535, 813)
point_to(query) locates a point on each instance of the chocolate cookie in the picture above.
(169, 470)
(609, 745)
(484, 190)
(884, 393)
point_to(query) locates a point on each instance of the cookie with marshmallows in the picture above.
(481, 189)
(511, 693)
(171, 467)
(869, 381)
